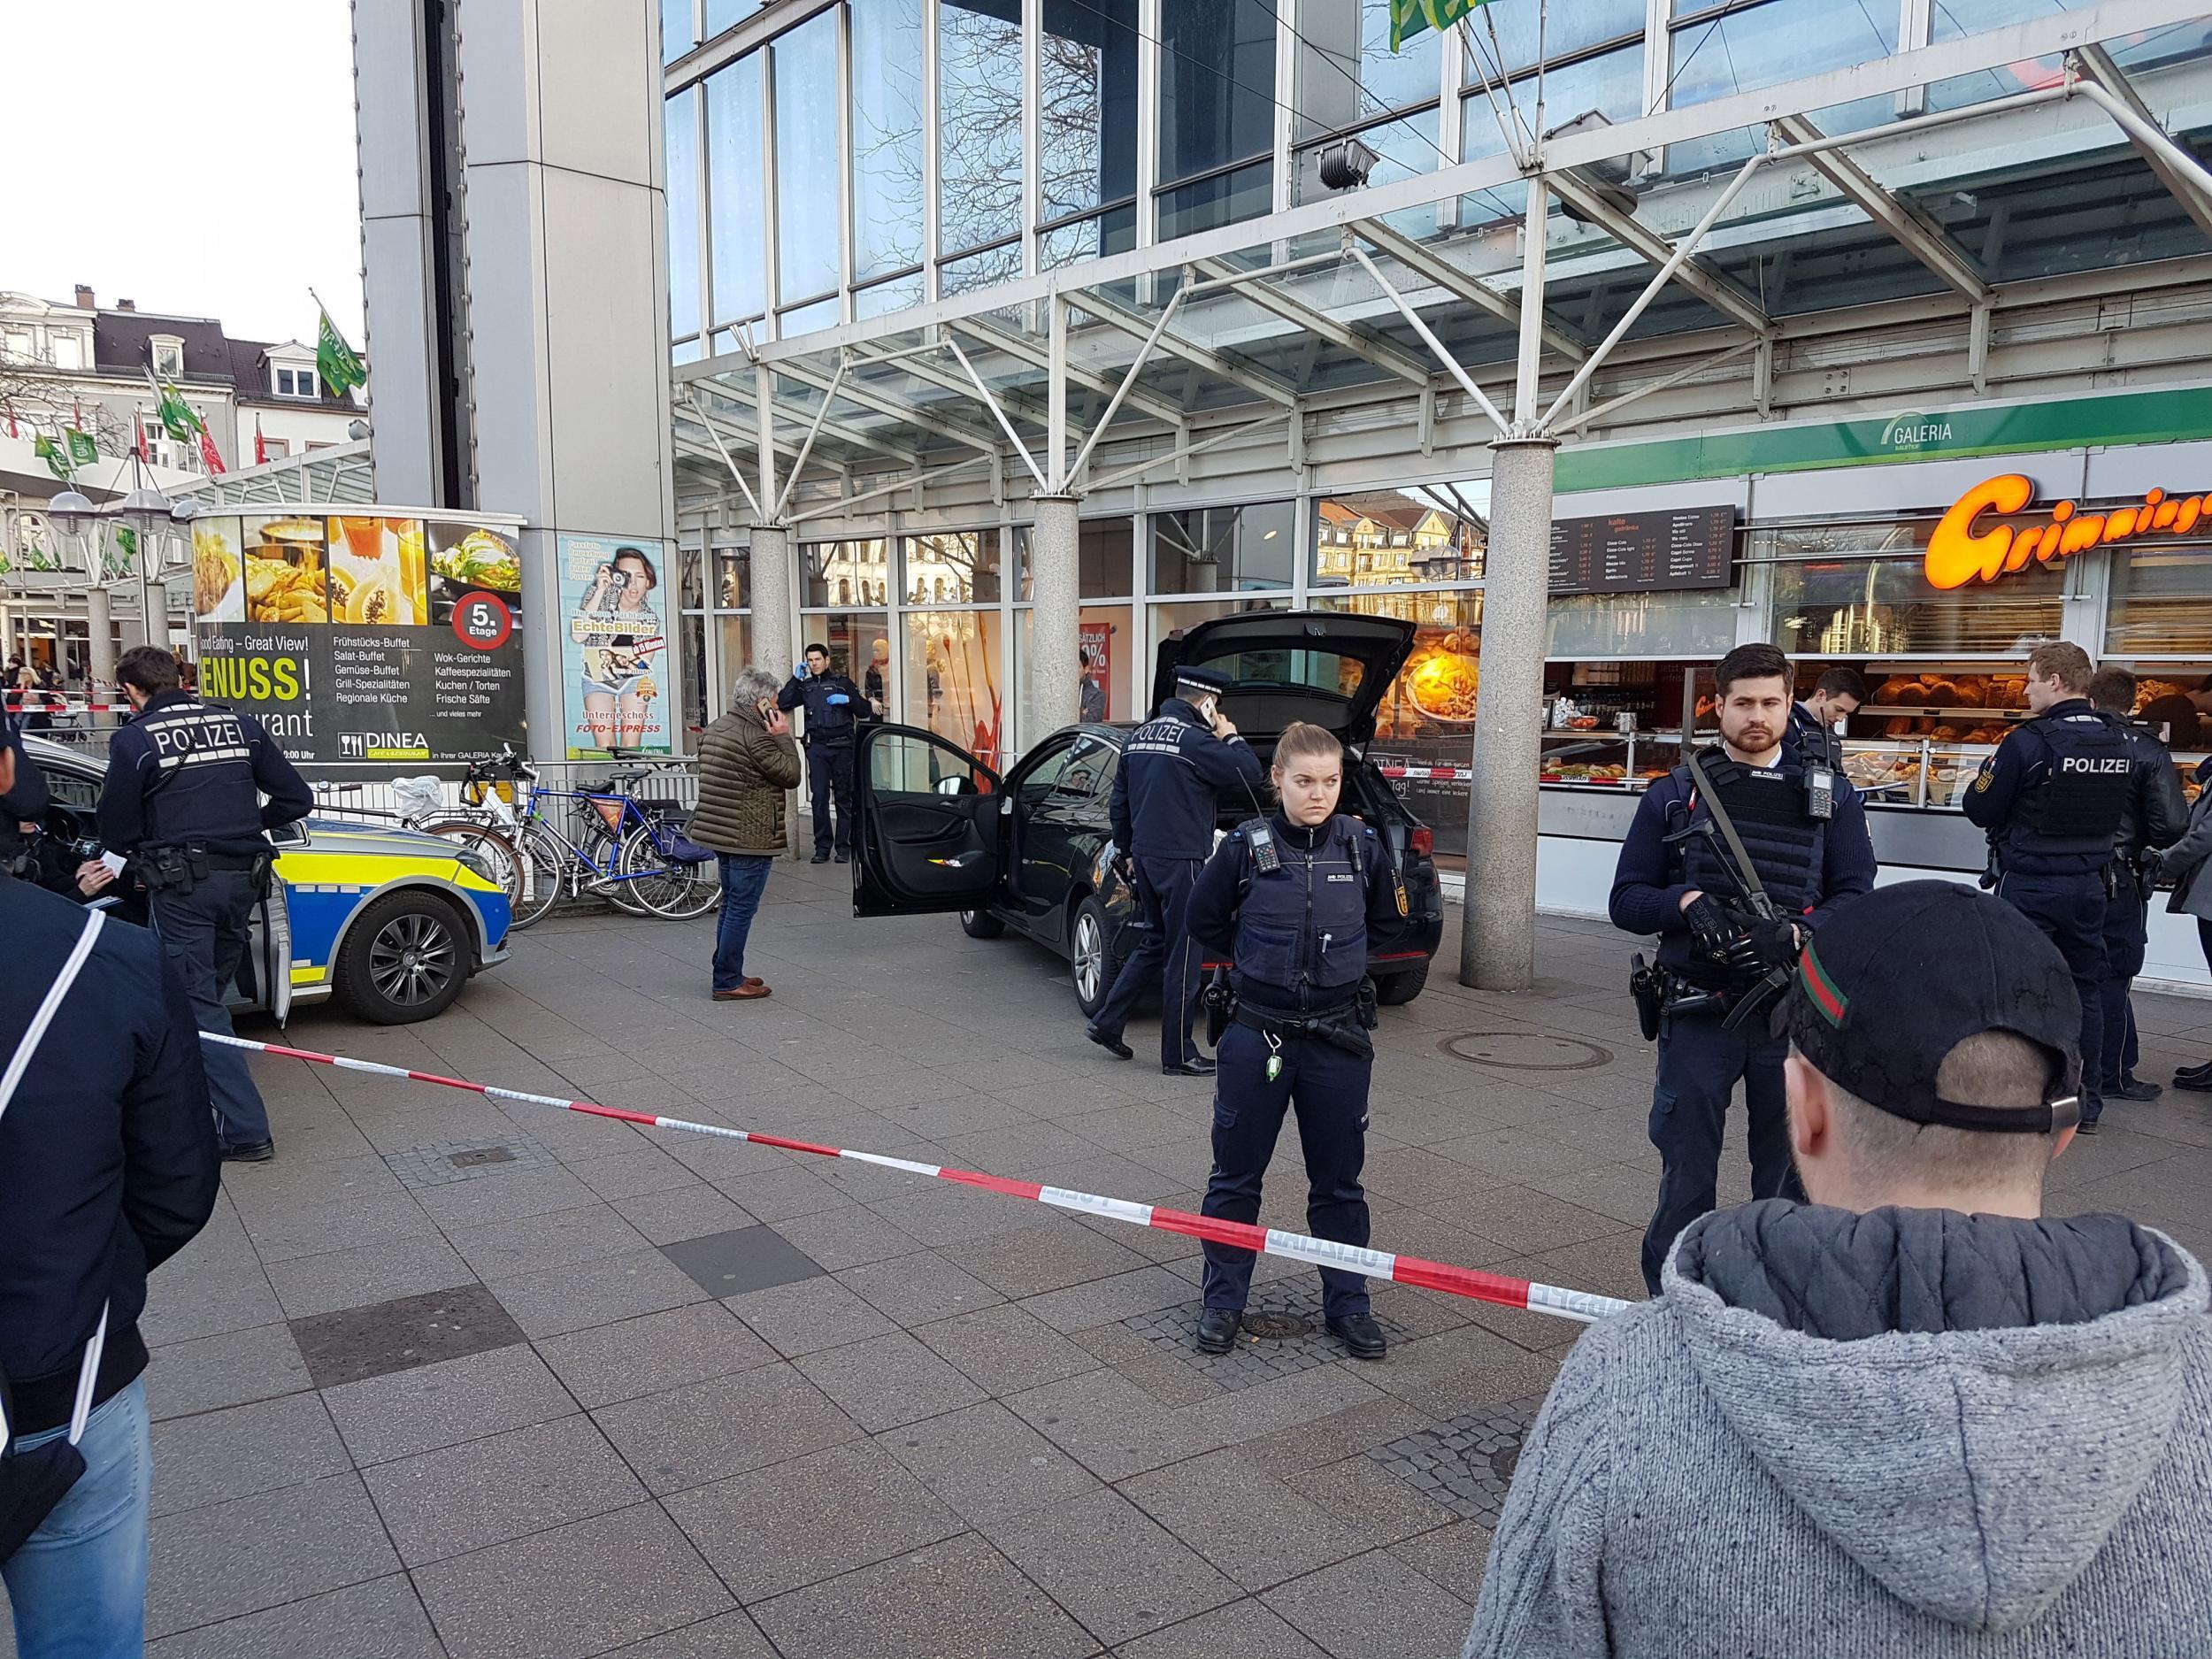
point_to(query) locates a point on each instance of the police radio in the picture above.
(1267, 857)
(1820, 793)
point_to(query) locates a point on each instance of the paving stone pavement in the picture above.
(456, 1378)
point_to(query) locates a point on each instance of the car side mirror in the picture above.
(292, 834)
(957, 786)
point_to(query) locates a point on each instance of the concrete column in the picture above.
(100, 660)
(1055, 591)
(1497, 942)
(158, 615)
(775, 630)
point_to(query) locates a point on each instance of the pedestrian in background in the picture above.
(2185, 861)
(1836, 697)
(747, 761)
(2155, 814)
(1913, 1417)
(835, 708)
(108, 1167)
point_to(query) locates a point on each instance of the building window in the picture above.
(1088, 124)
(979, 123)
(1348, 75)
(17, 341)
(1217, 112)
(68, 350)
(295, 383)
(168, 357)
(887, 138)
(804, 65)
(737, 214)
(1224, 549)
(678, 26)
(679, 118)
(1721, 51)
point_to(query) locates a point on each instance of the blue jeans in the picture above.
(79, 1582)
(744, 878)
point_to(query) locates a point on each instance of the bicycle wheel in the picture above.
(664, 886)
(541, 867)
(497, 852)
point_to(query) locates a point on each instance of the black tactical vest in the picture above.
(2075, 809)
(1302, 930)
(201, 788)
(1767, 806)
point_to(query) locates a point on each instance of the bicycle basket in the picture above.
(418, 797)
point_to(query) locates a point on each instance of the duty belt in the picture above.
(1339, 1026)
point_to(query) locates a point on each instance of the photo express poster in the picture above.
(614, 683)
(363, 636)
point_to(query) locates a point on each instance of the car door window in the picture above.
(908, 762)
(1041, 780)
(1090, 760)
(73, 790)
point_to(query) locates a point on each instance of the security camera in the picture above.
(1346, 164)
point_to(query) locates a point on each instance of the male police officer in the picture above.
(833, 706)
(183, 800)
(2155, 816)
(1162, 816)
(2052, 798)
(1295, 901)
(1727, 935)
(1837, 696)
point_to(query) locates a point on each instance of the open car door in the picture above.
(928, 825)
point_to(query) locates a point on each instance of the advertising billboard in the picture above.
(612, 679)
(366, 635)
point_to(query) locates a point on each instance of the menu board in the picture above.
(362, 635)
(1644, 552)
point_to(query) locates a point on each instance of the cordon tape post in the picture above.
(1298, 1246)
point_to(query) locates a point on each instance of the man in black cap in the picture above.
(1162, 814)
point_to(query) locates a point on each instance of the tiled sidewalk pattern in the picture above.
(454, 1379)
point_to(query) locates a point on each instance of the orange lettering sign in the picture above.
(1959, 552)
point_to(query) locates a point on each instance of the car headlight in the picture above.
(477, 864)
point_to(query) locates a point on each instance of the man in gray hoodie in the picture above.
(1913, 1417)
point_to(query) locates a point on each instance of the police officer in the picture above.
(2051, 797)
(1722, 949)
(1162, 814)
(183, 800)
(833, 706)
(1293, 900)
(2153, 816)
(1836, 697)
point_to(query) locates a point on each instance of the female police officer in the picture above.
(1293, 900)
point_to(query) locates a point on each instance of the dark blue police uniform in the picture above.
(833, 708)
(182, 799)
(1161, 809)
(1815, 741)
(1298, 937)
(1807, 865)
(2051, 797)
(2155, 815)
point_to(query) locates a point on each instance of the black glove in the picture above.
(1764, 944)
(1715, 929)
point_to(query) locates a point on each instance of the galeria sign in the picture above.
(1958, 553)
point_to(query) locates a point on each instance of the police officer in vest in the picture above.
(1295, 901)
(835, 708)
(2052, 798)
(1836, 697)
(1728, 935)
(183, 800)
(1161, 809)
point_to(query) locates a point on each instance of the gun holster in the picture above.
(172, 869)
(1647, 989)
(1220, 1003)
(1368, 1008)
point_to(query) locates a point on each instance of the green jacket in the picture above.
(743, 772)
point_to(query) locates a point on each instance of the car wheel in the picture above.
(1091, 959)
(980, 924)
(1394, 989)
(405, 959)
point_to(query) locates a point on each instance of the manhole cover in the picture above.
(482, 1155)
(1526, 1051)
(1274, 1327)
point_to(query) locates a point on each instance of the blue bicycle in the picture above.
(634, 852)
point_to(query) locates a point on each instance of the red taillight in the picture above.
(1423, 839)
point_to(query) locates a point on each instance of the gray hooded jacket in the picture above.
(1912, 1432)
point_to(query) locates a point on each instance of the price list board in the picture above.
(1644, 552)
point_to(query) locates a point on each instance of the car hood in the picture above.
(1284, 664)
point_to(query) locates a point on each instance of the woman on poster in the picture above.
(618, 632)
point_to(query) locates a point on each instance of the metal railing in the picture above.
(674, 780)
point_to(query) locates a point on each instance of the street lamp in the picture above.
(150, 515)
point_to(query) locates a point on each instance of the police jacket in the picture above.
(1298, 935)
(2052, 796)
(1162, 801)
(2156, 811)
(1815, 741)
(827, 722)
(108, 1163)
(185, 772)
(1806, 866)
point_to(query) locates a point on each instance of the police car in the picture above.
(937, 830)
(389, 922)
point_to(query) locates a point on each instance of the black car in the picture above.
(936, 830)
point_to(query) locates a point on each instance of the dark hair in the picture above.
(652, 576)
(149, 668)
(817, 646)
(1842, 682)
(2113, 689)
(1750, 662)
(2063, 661)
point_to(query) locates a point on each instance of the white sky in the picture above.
(196, 157)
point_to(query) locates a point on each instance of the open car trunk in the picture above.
(1329, 667)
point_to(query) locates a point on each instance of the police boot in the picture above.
(1360, 1335)
(1217, 1329)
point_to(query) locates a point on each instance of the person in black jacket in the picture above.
(108, 1167)
(835, 708)
(2155, 816)
(1836, 697)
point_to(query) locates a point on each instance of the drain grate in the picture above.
(451, 1161)
(480, 1155)
(1467, 1464)
(1283, 1334)
(1275, 1327)
(1525, 1051)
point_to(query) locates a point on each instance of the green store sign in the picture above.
(1911, 434)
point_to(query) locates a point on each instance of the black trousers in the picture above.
(2126, 933)
(1167, 957)
(1700, 1061)
(1327, 1088)
(2070, 909)
(829, 769)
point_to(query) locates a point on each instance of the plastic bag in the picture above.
(418, 797)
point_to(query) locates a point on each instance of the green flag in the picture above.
(82, 450)
(56, 456)
(1408, 18)
(335, 361)
(176, 417)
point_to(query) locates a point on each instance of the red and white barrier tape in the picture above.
(1431, 775)
(1403, 1269)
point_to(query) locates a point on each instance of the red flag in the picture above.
(208, 452)
(12, 431)
(77, 409)
(138, 437)
(260, 444)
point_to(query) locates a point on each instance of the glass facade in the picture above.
(680, 122)
(804, 65)
(979, 123)
(1225, 550)
(734, 190)
(887, 138)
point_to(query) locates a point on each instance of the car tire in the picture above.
(1091, 960)
(378, 980)
(1393, 990)
(980, 924)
